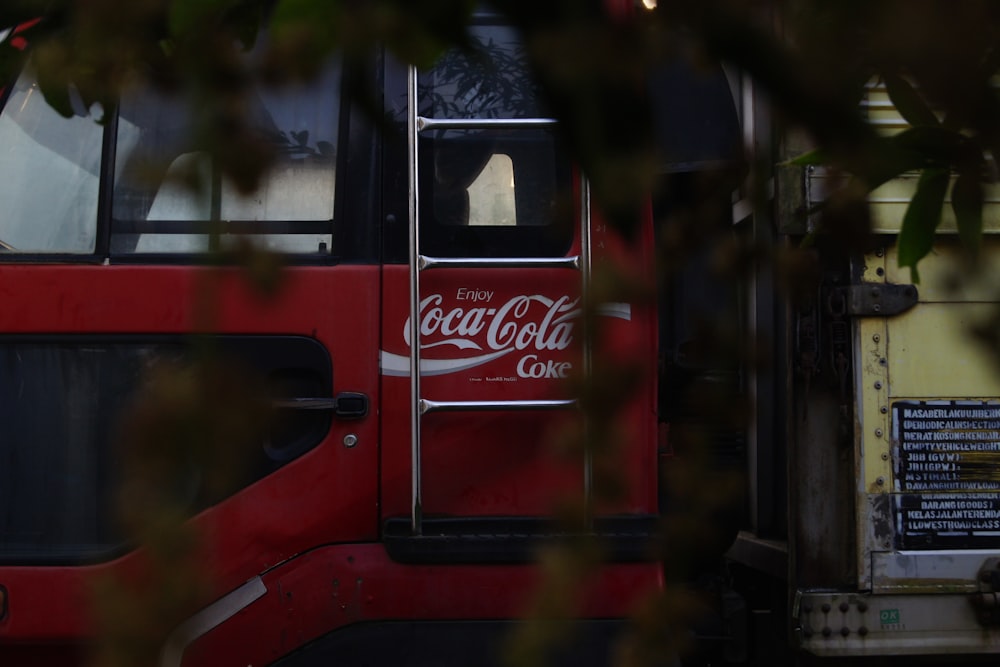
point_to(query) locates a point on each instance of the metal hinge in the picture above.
(877, 299)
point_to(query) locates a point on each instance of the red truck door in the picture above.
(501, 246)
(107, 267)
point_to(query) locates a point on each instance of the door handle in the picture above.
(345, 405)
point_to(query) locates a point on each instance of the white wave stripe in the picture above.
(397, 365)
(4, 34)
(622, 311)
(460, 343)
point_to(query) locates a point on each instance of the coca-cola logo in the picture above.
(518, 324)
(482, 331)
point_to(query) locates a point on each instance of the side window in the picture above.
(49, 175)
(62, 404)
(166, 191)
(489, 191)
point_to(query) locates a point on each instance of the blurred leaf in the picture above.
(846, 217)
(908, 101)
(967, 202)
(922, 218)
(191, 17)
(417, 31)
(912, 149)
(51, 74)
(245, 20)
(812, 158)
(429, 27)
(11, 63)
(933, 141)
(16, 12)
(887, 159)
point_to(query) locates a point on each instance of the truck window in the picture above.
(169, 190)
(489, 191)
(49, 168)
(58, 403)
(63, 400)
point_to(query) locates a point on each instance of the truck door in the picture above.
(471, 461)
(108, 267)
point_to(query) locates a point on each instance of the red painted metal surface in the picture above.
(327, 495)
(475, 465)
(334, 587)
(511, 334)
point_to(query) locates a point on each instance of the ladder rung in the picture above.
(425, 262)
(424, 123)
(492, 406)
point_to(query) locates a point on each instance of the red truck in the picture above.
(386, 516)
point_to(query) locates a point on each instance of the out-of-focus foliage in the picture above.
(190, 422)
(937, 60)
(812, 58)
(178, 444)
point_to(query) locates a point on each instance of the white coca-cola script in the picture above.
(533, 324)
(514, 325)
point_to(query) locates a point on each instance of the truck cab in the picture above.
(370, 445)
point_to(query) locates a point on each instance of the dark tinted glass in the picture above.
(166, 188)
(63, 403)
(490, 191)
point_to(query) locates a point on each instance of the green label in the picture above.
(888, 616)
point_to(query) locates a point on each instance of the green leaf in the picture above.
(908, 101)
(934, 142)
(922, 218)
(887, 159)
(812, 158)
(913, 149)
(967, 202)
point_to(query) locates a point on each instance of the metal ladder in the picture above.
(419, 406)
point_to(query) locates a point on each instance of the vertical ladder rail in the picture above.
(417, 263)
(588, 346)
(416, 501)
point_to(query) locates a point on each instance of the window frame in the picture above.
(356, 188)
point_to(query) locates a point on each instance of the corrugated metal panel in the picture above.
(880, 111)
(889, 202)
